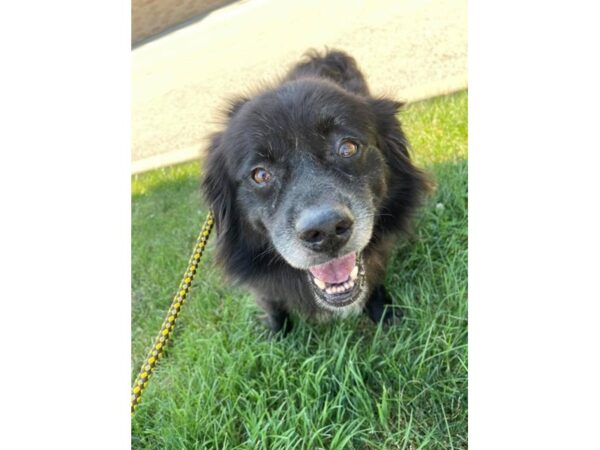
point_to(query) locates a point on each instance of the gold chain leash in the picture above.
(166, 330)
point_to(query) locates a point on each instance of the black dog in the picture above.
(311, 184)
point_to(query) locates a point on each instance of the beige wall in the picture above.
(150, 17)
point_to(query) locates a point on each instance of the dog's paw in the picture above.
(392, 316)
(277, 326)
(380, 308)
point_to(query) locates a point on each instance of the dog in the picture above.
(311, 184)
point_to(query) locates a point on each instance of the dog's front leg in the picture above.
(379, 307)
(276, 318)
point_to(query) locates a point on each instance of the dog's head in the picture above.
(311, 174)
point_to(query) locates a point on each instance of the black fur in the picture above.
(292, 127)
(379, 307)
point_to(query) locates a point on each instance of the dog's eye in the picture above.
(347, 149)
(261, 175)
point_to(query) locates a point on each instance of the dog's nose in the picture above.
(325, 228)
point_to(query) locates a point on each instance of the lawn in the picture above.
(346, 385)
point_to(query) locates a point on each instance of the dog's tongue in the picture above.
(335, 271)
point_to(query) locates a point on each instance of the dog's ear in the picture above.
(391, 139)
(217, 186)
(407, 185)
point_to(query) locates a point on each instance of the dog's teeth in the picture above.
(319, 283)
(350, 284)
(329, 290)
(354, 273)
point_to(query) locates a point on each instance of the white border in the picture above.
(65, 239)
(534, 225)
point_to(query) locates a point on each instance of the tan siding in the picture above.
(150, 17)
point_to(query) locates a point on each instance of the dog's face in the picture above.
(302, 168)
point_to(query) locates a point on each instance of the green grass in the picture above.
(346, 385)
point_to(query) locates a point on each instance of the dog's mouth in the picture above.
(340, 281)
